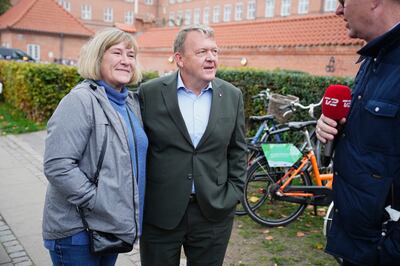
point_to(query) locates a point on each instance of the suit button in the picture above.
(190, 177)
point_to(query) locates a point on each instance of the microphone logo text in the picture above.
(329, 101)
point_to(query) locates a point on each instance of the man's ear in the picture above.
(178, 59)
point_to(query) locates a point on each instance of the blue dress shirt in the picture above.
(195, 110)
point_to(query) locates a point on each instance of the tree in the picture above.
(4, 6)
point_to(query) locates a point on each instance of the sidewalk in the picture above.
(22, 192)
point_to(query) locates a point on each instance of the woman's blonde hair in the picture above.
(92, 53)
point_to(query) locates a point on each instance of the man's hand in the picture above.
(326, 128)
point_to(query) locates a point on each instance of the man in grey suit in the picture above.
(196, 158)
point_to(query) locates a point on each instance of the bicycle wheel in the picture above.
(240, 210)
(328, 220)
(262, 204)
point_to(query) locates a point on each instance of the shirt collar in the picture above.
(181, 85)
(384, 41)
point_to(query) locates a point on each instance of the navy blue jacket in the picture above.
(367, 159)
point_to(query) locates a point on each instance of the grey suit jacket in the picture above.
(217, 165)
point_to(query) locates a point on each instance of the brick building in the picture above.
(300, 35)
(42, 28)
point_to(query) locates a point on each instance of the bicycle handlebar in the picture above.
(292, 107)
(264, 94)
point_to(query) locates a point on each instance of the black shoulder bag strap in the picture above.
(96, 175)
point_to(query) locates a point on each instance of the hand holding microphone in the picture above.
(335, 106)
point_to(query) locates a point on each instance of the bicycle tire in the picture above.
(240, 210)
(263, 207)
(328, 219)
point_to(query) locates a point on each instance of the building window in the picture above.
(227, 13)
(34, 51)
(238, 11)
(128, 18)
(65, 4)
(86, 12)
(179, 17)
(206, 15)
(148, 2)
(188, 17)
(108, 14)
(172, 1)
(196, 16)
(251, 9)
(285, 9)
(303, 7)
(130, 1)
(330, 5)
(171, 19)
(216, 14)
(179, 1)
(269, 8)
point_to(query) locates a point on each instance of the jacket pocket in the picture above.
(381, 121)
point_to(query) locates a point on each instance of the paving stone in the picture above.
(24, 263)
(4, 227)
(21, 259)
(7, 238)
(3, 256)
(17, 254)
(14, 249)
(10, 243)
(5, 232)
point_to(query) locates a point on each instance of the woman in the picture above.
(98, 108)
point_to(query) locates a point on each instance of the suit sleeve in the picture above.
(237, 152)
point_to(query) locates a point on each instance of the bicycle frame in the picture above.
(293, 172)
(307, 159)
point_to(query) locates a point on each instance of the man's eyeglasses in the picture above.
(341, 2)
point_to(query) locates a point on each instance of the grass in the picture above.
(299, 243)
(14, 121)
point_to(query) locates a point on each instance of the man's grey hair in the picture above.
(181, 37)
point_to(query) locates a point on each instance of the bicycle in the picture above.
(277, 196)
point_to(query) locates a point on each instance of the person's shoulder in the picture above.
(225, 85)
(83, 92)
(156, 82)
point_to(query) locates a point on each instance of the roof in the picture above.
(310, 30)
(125, 27)
(42, 16)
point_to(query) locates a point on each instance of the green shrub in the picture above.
(37, 88)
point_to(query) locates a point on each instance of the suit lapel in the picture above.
(214, 112)
(170, 96)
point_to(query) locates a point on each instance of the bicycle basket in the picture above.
(276, 101)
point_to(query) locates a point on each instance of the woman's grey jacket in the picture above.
(76, 132)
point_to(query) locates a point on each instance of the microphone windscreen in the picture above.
(336, 102)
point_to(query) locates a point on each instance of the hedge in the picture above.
(37, 88)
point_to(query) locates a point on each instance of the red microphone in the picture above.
(335, 105)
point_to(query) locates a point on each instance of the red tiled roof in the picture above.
(125, 27)
(42, 16)
(311, 30)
